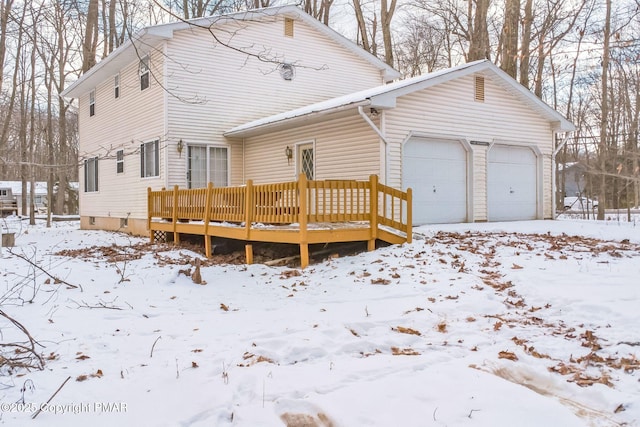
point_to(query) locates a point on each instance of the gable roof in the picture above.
(149, 37)
(385, 97)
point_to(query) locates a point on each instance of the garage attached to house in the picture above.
(512, 183)
(436, 170)
(471, 142)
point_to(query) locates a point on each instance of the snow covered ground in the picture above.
(500, 324)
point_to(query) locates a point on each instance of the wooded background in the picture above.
(579, 56)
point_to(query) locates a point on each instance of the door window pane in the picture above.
(306, 161)
(218, 171)
(197, 164)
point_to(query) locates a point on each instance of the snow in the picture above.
(497, 324)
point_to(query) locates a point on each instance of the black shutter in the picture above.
(142, 160)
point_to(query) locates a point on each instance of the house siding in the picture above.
(214, 88)
(344, 148)
(121, 123)
(449, 110)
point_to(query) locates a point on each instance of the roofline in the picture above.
(150, 36)
(385, 97)
(240, 132)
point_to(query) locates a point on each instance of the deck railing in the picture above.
(297, 202)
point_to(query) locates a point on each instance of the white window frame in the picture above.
(91, 165)
(144, 153)
(144, 72)
(120, 161)
(116, 86)
(208, 163)
(92, 103)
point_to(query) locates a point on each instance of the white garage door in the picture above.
(511, 183)
(436, 170)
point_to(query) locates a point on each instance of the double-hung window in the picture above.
(116, 86)
(120, 161)
(144, 72)
(150, 159)
(91, 175)
(92, 103)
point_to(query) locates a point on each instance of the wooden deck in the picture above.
(301, 212)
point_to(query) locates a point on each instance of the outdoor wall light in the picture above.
(289, 153)
(180, 147)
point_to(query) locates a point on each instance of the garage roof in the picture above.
(385, 97)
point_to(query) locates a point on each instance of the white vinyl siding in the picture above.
(221, 88)
(139, 117)
(450, 109)
(345, 148)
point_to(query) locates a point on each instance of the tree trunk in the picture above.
(479, 43)
(386, 15)
(525, 47)
(5, 11)
(510, 37)
(604, 114)
(362, 25)
(89, 44)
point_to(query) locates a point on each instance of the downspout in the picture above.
(244, 156)
(382, 137)
(554, 191)
(165, 103)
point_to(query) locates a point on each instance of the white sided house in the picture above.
(268, 94)
(154, 112)
(471, 142)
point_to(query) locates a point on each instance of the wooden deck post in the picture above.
(373, 211)
(304, 238)
(207, 218)
(176, 235)
(248, 251)
(151, 234)
(248, 208)
(409, 216)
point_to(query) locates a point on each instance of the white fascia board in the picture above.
(125, 54)
(289, 119)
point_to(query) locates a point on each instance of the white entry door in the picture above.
(436, 171)
(511, 183)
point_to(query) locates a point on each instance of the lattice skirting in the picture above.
(160, 236)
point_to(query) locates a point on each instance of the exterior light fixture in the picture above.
(180, 147)
(289, 153)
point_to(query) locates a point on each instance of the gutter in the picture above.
(380, 134)
(553, 174)
(282, 120)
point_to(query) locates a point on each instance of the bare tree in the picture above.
(319, 9)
